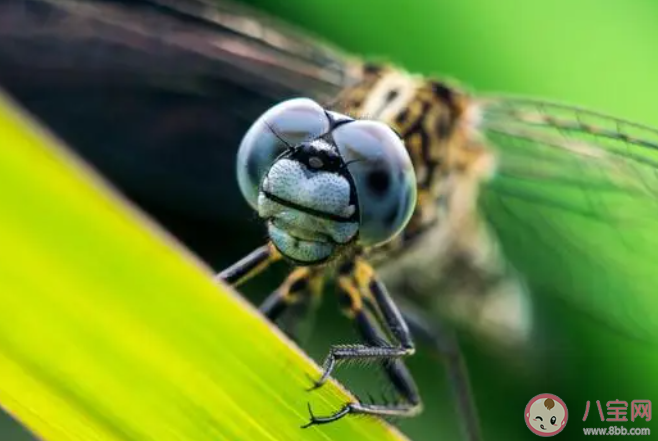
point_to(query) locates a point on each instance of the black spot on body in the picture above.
(448, 96)
(444, 127)
(344, 300)
(346, 268)
(391, 95)
(443, 92)
(372, 68)
(431, 167)
(379, 182)
(402, 116)
(426, 152)
(298, 285)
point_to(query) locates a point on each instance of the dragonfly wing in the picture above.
(574, 204)
(157, 94)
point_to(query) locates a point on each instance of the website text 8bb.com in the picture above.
(615, 430)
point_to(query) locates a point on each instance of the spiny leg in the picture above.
(376, 345)
(251, 265)
(396, 372)
(432, 333)
(357, 279)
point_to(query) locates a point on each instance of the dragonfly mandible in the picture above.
(220, 66)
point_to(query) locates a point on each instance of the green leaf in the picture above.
(109, 330)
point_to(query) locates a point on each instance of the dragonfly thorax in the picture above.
(439, 125)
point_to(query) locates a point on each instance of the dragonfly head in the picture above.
(323, 181)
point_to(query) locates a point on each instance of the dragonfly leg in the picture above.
(299, 320)
(431, 332)
(251, 265)
(299, 283)
(302, 287)
(352, 281)
(359, 285)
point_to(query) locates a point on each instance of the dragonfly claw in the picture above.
(316, 383)
(328, 419)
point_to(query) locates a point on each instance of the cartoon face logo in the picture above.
(546, 415)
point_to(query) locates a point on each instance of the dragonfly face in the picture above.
(325, 182)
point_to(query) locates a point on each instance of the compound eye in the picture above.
(383, 175)
(283, 126)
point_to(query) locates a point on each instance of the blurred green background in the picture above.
(596, 54)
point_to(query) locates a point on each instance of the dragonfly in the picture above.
(493, 174)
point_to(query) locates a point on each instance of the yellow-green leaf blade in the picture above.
(109, 331)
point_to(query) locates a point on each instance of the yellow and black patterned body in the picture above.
(437, 123)
(445, 259)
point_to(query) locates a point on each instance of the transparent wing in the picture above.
(575, 205)
(157, 94)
